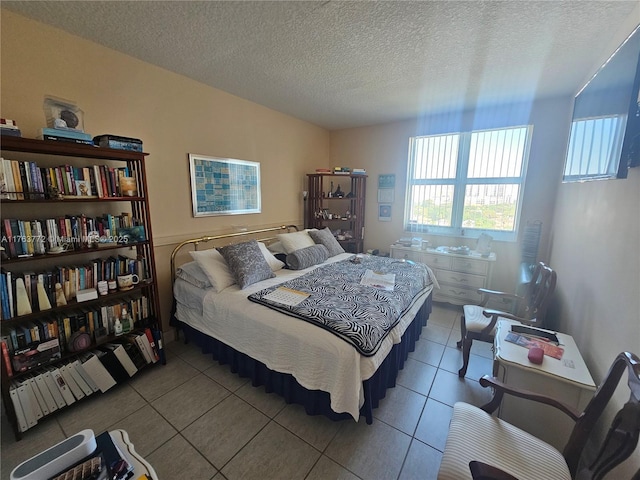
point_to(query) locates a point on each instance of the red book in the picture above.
(103, 180)
(5, 359)
(8, 232)
(152, 342)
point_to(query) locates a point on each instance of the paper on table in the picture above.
(549, 349)
(286, 296)
(383, 281)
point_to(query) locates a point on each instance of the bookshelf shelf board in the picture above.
(67, 149)
(69, 355)
(73, 200)
(74, 305)
(83, 251)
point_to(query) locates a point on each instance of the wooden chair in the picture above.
(478, 323)
(480, 446)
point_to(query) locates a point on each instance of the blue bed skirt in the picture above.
(315, 402)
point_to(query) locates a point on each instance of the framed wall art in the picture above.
(384, 213)
(224, 186)
(387, 180)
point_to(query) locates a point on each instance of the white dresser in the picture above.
(459, 276)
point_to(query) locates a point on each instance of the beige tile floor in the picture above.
(192, 418)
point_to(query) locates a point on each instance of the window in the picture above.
(467, 183)
(595, 146)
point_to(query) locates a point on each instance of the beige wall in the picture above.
(383, 149)
(174, 116)
(594, 248)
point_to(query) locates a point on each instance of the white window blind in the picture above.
(467, 183)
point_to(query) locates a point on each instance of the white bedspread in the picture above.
(317, 359)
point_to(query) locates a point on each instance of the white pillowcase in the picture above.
(295, 241)
(273, 262)
(215, 268)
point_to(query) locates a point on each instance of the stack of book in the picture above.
(358, 171)
(323, 170)
(26, 179)
(48, 388)
(9, 127)
(341, 170)
(119, 143)
(65, 135)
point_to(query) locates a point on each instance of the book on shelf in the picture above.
(26, 399)
(66, 133)
(75, 389)
(57, 138)
(8, 123)
(50, 381)
(47, 396)
(118, 143)
(25, 179)
(43, 407)
(96, 370)
(150, 344)
(72, 368)
(62, 386)
(85, 376)
(17, 406)
(11, 132)
(123, 357)
(112, 364)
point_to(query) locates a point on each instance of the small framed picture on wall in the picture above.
(387, 180)
(384, 212)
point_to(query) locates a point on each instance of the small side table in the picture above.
(142, 467)
(567, 380)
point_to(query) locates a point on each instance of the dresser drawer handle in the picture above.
(460, 280)
(460, 294)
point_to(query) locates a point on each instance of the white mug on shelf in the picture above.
(126, 282)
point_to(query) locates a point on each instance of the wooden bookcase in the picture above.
(85, 256)
(343, 213)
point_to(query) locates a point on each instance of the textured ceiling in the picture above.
(342, 64)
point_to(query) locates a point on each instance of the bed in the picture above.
(302, 360)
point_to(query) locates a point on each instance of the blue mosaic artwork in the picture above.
(225, 186)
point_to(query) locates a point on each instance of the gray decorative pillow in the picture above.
(246, 262)
(326, 238)
(192, 273)
(307, 257)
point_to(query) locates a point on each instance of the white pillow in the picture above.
(215, 267)
(273, 262)
(276, 247)
(295, 241)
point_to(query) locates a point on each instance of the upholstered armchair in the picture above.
(481, 446)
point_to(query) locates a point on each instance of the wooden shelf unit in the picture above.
(47, 153)
(320, 205)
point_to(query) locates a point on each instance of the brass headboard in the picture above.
(197, 241)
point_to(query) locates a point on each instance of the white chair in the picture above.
(482, 447)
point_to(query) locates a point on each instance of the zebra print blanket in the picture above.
(359, 314)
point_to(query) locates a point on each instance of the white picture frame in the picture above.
(386, 195)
